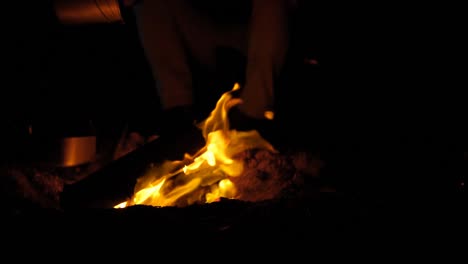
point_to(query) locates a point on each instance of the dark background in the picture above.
(63, 74)
(379, 101)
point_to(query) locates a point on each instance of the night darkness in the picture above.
(353, 91)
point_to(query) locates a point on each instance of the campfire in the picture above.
(232, 164)
(216, 163)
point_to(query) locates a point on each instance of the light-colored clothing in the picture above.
(173, 30)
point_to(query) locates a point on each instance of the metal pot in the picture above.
(74, 151)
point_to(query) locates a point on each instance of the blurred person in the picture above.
(174, 33)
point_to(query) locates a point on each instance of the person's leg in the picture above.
(170, 32)
(267, 47)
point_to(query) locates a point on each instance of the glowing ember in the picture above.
(206, 176)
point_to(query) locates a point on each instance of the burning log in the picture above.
(116, 181)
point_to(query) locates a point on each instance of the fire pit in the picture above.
(214, 183)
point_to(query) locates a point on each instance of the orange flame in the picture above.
(202, 177)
